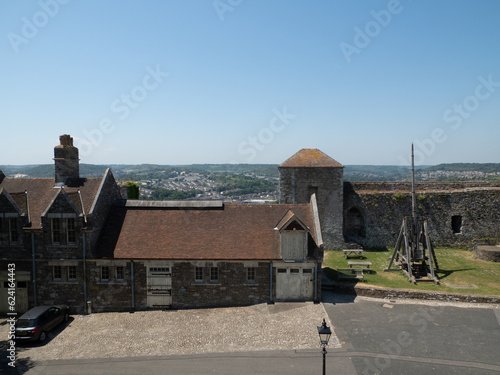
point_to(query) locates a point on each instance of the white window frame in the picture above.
(214, 271)
(120, 269)
(198, 278)
(57, 230)
(108, 272)
(70, 277)
(54, 273)
(71, 230)
(251, 274)
(13, 230)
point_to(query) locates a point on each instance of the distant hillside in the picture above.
(47, 170)
(139, 172)
(376, 173)
(466, 167)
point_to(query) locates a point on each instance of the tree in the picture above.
(133, 190)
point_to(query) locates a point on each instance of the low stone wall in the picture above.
(389, 293)
(488, 253)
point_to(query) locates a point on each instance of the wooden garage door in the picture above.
(294, 284)
(159, 292)
(17, 298)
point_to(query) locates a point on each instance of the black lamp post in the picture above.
(324, 336)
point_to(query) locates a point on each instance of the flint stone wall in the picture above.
(382, 207)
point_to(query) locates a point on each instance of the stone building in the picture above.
(75, 241)
(47, 227)
(309, 172)
(204, 254)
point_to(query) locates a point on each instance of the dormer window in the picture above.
(293, 235)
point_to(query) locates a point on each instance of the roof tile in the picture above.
(310, 157)
(235, 232)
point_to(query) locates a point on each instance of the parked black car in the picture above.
(37, 322)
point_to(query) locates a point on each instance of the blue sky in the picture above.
(250, 81)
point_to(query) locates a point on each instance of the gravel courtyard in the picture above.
(149, 333)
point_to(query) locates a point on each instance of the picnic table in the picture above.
(354, 252)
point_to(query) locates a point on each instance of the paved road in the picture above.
(398, 338)
(378, 337)
(272, 362)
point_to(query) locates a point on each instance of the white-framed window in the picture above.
(70, 230)
(198, 274)
(104, 273)
(71, 272)
(13, 233)
(251, 271)
(164, 270)
(214, 274)
(55, 224)
(57, 272)
(119, 273)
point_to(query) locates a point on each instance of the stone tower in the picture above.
(309, 172)
(66, 160)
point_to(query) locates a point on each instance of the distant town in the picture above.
(249, 183)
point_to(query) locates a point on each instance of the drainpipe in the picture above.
(84, 268)
(271, 283)
(133, 286)
(34, 267)
(315, 282)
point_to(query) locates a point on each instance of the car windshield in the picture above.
(24, 323)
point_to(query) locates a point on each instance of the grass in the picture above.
(458, 272)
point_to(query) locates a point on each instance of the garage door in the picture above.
(159, 292)
(294, 284)
(20, 300)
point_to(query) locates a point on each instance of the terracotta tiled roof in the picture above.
(310, 157)
(233, 232)
(41, 192)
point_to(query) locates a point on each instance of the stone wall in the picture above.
(112, 295)
(232, 288)
(109, 193)
(459, 214)
(488, 253)
(64, 291)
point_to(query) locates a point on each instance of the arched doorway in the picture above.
(355, 223)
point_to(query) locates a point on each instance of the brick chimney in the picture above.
(66, 160)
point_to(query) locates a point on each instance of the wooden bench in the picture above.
(353, 252)
(359, 264)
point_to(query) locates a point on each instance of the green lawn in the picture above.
(458, 272)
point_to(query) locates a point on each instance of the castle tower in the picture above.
(309, 172)
(66, 160)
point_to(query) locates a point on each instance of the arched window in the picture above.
(355, 223)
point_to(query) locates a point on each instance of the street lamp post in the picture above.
(324, 336)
